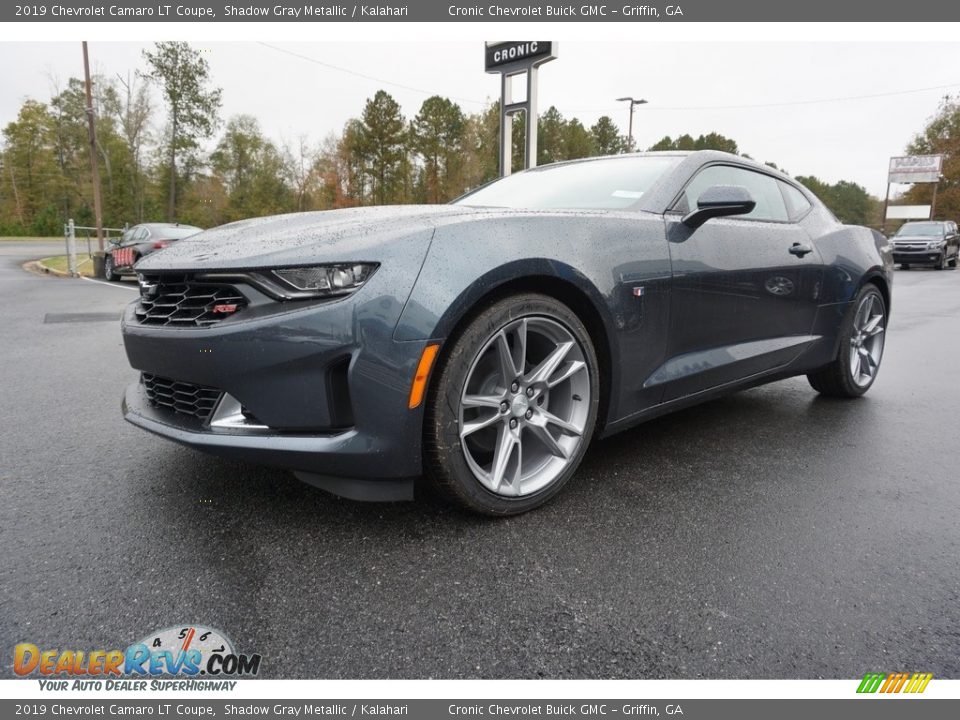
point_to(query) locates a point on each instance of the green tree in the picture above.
(437, 136)
(941, 136)
(577, 141)
(252, 171)
(713, 141)
(192, 105)
(31, 176)
(607, 139)
(382, 144)
(550, 138)
(131, 109)
(851, 203)
(481, 147)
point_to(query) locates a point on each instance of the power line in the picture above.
(331, 66)
(650, 107)
(789, 103)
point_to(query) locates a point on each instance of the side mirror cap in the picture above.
(720, 201)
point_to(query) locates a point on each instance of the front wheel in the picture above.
(862, 335)
(514, 406)
(940, 262)
(109, 273)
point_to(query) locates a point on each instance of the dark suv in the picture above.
(930, 242)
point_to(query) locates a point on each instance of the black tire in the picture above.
(445, 463)
(904, 266)
(953, 263)
(108, 274)
(940, 262)
(836, 379)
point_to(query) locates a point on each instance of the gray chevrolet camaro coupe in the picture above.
(482, 344)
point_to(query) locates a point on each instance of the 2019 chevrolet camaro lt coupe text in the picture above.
(482, 344)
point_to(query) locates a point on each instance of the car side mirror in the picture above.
(720, 201)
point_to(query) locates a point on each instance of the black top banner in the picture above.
(479, 11)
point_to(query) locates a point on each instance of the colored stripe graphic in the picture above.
(918, 683)
(894, 682)
(870, 683)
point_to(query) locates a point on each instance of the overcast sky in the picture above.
(691, 88)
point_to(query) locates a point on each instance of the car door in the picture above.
(745, 289)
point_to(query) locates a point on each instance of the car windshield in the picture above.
(923, 229)
(176, 233)
(610, 184)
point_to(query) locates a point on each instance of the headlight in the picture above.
(934, 244)
(323, 280)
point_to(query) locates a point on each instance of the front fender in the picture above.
(618, 264)
(468, 260)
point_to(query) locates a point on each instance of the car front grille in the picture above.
(179, 300)
(185, 398)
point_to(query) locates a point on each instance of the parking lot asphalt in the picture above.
(771, 534)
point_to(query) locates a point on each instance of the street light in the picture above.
(632, 104)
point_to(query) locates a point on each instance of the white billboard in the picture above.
(908, 212)
(915, 169)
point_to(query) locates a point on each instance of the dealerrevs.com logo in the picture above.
(188, 652)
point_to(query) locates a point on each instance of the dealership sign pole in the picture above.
(909, 170)
(510, 59)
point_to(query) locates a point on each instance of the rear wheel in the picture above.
(855, 368)
(514, 406)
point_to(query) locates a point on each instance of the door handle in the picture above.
(800, 250)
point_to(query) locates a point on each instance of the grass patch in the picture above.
(59, 263)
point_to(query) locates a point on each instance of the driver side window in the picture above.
(763, 188)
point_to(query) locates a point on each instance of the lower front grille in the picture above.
(185, 398)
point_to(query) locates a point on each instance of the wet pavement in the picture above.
(771, 534)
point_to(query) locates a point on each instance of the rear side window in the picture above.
(797, 203)
(763, 188)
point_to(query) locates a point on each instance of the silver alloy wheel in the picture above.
(524, 406)
(866, 343)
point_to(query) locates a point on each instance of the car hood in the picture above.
(347, 235)
(916, 238)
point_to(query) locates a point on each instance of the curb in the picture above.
(38, 268)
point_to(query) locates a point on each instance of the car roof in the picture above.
(704, 156)
(159, 226)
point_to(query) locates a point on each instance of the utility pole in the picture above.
(933, 203)
(633, 103)
(94, 166)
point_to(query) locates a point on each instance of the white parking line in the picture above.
(109, 284)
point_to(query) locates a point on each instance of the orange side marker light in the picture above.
(423, 372)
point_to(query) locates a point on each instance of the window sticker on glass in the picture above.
(628, 194)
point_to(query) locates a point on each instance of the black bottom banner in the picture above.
(872, 708)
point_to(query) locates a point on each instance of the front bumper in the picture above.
(918, 257)
(328, 380)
